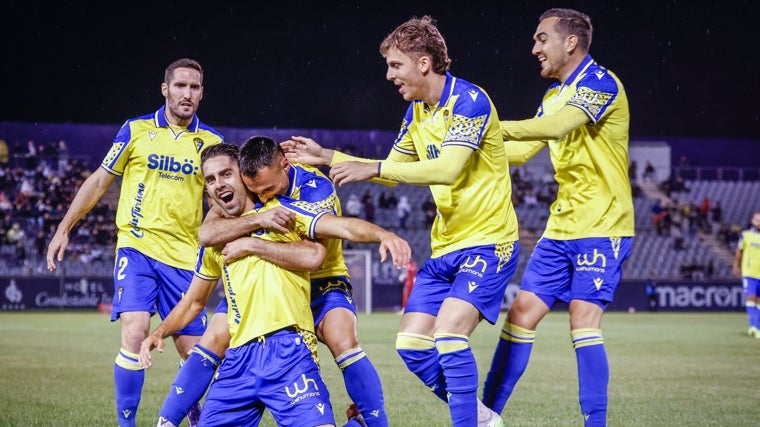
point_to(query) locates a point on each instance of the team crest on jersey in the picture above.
(198, 144)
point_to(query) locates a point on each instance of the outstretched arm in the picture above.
(519, 152)
(192, 303)
(555, 126)
(300, 149)
(361, 231)
(87, 197)
(218, 229)
(442, 170)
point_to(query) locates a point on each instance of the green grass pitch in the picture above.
(667, 369)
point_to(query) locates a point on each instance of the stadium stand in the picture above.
(36, 188)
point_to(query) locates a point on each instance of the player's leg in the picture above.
(173, 285)
(133, 305)
(481, 275)
(751, 291)
(128, 375)
(545, 277)
(414, 340)
(596, 275)
(196, 372)
(336, 326)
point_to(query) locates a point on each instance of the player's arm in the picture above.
(519, 152)
(361, 231)
(87, 197)
(218, 229)
(192, 303)
(442, 170)
(552, 127)
(305, 255)
(305, 150)
(737, 267)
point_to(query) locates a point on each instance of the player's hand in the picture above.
(56, 248)
(239, 248)
(345, 172)
(399, 249)
(148, 344)
(300, 149)
(278, 218)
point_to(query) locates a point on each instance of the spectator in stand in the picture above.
(392, 201)
(649, 175)
(530, 199)
(40, 244)
(633, 171)
(382, 201)
(369, 206)
(15, 234)
(403, 210)
(430, 211)
(717, 212)
(19, 259)
(660, 217)
(63, 156)
(353, 206)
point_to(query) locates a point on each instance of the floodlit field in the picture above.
(667, 369)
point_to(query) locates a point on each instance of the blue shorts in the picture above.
(329, 293)
(751, 286)
(144, 284)
(280, 373)
(222, 307)
(584, 269)
(478, 275)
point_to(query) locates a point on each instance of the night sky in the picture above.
(689, 71)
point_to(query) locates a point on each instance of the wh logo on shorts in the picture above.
(301, 389)
(595, 262)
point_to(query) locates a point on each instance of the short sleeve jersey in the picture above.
(476, 209)
(264, 297)
(591, 163)
(749, 244)
(161, 201)
(309, 184)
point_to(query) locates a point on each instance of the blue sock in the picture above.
(756, 317)
(461, 372)
(593, 375)
(510, 359)
(363, 386)
(751, 308)
(190, 384)
(128, 379)
(419, 355)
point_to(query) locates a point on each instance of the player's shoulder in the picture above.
(599, 78)
(471, 99)
(313, 185)
(204, 127)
